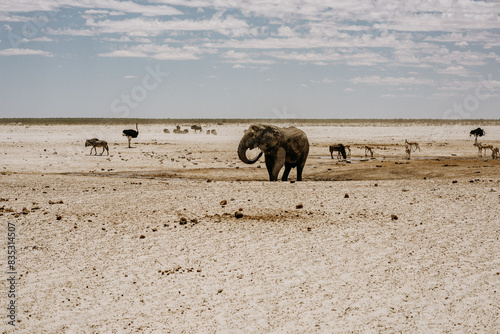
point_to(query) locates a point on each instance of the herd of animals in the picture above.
(288, 147)
(193, 127)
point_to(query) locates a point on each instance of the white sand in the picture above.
(337, 265)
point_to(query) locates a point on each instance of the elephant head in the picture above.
(265, 137)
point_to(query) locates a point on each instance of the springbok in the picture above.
(411, 144)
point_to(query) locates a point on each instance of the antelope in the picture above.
(411, 144)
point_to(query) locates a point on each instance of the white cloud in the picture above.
(37, 39)
(149, 27)
(124, 53)
(25, 52)
(454, 70)
(243, 57)
(96, 11)
(71, 32)
(154, 51)
(393, 81)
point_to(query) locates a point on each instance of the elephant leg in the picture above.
(300, 168)
(270, 165)
(274, 163)
(288, 167)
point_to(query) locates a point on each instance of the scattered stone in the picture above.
(405, 190)
(58, 202)
(454, 181)
(238, 214)
(309, 229)
(299, 206)
(182, 221)
(494, 190)
(394, 217)
(223, 202)
(220, 291)
(346, 195)
(142, 236)
(25, 211)
(58, 217)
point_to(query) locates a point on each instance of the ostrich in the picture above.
(477, 133)
(131, 133)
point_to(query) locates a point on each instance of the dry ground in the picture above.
(371, 246)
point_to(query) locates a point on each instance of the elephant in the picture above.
(280, 146)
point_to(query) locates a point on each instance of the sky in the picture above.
(435, 59)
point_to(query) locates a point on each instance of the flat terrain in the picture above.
(146, 239)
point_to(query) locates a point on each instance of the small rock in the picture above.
(58, 217)
(346, 196)
(494, 190)
(220, 291)
(299, 206)
(454, 181)
(142, 236)
(309, 229)
(394, 217)
(223, 202)
(182, 221)
(25, 211)
(238, 214)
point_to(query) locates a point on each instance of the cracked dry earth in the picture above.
(146, 240)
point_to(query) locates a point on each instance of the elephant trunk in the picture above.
(242, 153)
